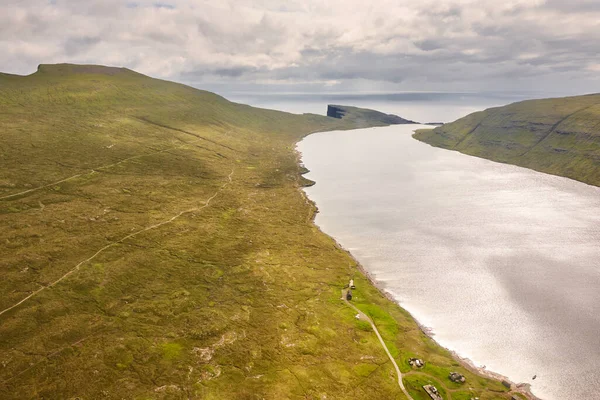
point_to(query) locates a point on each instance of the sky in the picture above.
(317, 45)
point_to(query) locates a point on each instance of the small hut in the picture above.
(456, 377)
(433, 392)
(416, 362)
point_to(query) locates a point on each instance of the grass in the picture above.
(237, 299)
(556, 136)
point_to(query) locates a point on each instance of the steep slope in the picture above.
(364, 117)
(556, 136)
(155, 245)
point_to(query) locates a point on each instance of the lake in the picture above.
(501, 262)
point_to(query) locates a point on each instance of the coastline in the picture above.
(522, 388)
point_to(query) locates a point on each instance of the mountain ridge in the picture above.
(559, 136)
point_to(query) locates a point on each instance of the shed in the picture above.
(433, 392)
(415, 362)
(456, 377)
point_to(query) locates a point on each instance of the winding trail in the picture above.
(99, 169)
(364, 317)
(76, 267)
(47, 185)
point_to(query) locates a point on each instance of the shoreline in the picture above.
(522, 388)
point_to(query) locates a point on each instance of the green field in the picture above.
(556, 136)
(155, 245)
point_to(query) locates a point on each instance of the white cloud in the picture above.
(468, 43)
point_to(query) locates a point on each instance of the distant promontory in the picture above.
(362, 116)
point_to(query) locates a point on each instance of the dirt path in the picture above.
(99, 169)
(76, 267)
(364, 317)
(45, 186)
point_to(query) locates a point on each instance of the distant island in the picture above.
(557, 136)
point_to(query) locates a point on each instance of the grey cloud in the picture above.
(467, 43)
(232, 72)
(443, 11)
(428, 45)
(582, 6)
(164, 5)
(77, 45)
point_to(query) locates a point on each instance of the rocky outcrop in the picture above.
(335, 112)
(357, 114)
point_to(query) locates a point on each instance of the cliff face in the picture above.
(361, 115)
(335, 111)
(556, 136)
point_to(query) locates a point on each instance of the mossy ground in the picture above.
(235, 300)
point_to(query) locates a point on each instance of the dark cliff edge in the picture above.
(360, 116)
(335, 112)
(555, 136)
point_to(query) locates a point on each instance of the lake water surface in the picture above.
(501, 262)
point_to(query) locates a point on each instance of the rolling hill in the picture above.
(155, 245)
(556, 136)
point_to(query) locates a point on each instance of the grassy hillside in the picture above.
(556, 136)
(155, 245)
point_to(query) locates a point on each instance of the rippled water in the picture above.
(502, 262)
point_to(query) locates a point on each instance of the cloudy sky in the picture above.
(317, 45)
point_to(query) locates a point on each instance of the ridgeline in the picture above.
(363, 117)
(155, 245)
(556, 136)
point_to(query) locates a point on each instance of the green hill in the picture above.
(556, 136)
(155, 245)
